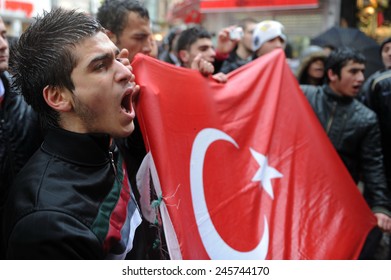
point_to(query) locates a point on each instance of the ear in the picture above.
(331, 75)
(112, 36)
(184, 56)
(59, 99)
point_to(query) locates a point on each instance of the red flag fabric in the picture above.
(243, 169)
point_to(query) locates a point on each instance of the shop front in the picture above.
(303, 19)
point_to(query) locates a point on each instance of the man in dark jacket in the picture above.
(378, 98)
(385, 53)
(73, 199)
(243, 53)
(20, 133)
(353, 128)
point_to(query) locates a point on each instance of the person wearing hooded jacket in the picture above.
(311, 68)
(385, 53)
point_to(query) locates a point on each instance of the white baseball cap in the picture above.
(267, 30)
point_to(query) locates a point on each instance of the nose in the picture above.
(147, 47)
(360, 76)
(147, 50)
(3, 43)
(211, 54)
(278, 44)
(123, 72)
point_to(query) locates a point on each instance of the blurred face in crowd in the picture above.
(105, 107)
(316, 69)
(247, 36)
(4, 50)
(203, 46)
(136, 36)
(276, 43)
(386, 55)
(350, 81)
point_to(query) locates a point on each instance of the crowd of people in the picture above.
(71, 145)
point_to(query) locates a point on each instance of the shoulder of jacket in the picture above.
(364, 112)
(310, 89)
(380, 78)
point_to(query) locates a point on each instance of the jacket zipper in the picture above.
(113, 164)
(331, 119)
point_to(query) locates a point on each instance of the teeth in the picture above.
(126, 110)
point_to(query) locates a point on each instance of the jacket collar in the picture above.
(88, 149)
(332, 95)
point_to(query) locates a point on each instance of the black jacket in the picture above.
(20, 137)
(354, 132)
(378, 98)
(71, 201)
(233, 62)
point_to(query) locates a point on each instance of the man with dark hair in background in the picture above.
(243, 52)
(353, 130)
(378, 97)
(128, 25)
(195, 50)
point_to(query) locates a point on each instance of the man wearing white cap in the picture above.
(268, 35)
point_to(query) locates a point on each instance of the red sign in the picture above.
(25, 7)
(244, 170)
(211, 5)
(187, 10)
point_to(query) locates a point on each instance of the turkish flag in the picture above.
(243, 170)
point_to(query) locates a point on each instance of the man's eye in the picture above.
(100, 66)
(141, 38)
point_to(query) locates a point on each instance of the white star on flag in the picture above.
(265, 172)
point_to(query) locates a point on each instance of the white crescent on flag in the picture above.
(215, 246)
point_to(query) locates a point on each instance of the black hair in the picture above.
(190, 36)
(43, 56)
(340, 57)
(113, 14)
(385, 41)
(246, 21)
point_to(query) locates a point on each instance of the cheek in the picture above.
(94, 92)
(347, 83)
(126, 43)
(206, 54)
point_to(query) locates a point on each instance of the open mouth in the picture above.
(356, 88)
(126, 103)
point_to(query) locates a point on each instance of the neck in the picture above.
(243, 52)
(315, 81)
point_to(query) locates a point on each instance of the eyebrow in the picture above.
(104, 56)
